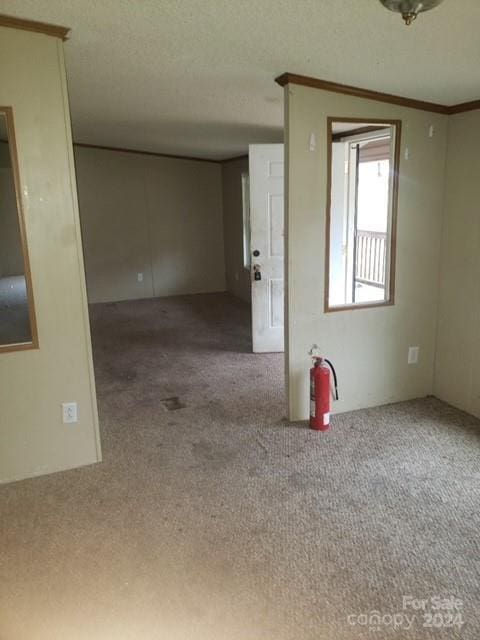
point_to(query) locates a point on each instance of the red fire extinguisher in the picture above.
(320, 393)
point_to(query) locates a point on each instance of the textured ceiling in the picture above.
(196, 77)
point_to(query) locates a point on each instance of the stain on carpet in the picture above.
(173, 404)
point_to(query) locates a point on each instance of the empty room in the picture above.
(239, 320)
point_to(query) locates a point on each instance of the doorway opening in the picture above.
(159, 302)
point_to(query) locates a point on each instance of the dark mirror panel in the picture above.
(15, 295)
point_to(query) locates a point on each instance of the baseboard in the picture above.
(46, 471)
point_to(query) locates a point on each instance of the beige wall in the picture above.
(369, 347)
(457, 376)
(238, 278)
(34, 383)
(144, 214)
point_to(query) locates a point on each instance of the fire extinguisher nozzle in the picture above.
(335, 383)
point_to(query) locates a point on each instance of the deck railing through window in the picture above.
(370, 258)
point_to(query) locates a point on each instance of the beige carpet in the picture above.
(220, 521)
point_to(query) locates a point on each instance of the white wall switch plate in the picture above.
(413, 355)
(140, 277)
(69, 412)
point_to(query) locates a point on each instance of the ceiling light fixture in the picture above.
(410, 8)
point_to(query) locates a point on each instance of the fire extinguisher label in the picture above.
(312, 408)
(326, 419)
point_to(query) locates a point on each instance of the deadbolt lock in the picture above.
(257, 274)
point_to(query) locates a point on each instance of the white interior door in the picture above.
(267, 246)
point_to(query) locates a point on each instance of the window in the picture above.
(246, 220)
(361, 212)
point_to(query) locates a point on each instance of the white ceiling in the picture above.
(196, 77)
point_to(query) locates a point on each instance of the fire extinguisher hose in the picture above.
(334, 377)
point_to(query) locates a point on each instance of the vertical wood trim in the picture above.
(328, 214)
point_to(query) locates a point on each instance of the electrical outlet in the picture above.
(69, 412)
(413, 355)
(431, 131)
(140, 277)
